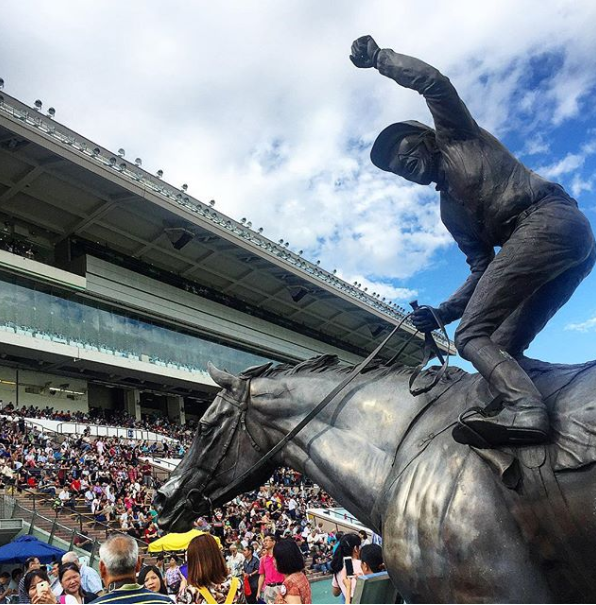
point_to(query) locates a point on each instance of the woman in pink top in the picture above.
(349, 547)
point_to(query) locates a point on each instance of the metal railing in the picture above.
(104, 430)
(38, 501)
(56, 531)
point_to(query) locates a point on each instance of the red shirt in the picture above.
(267, 567)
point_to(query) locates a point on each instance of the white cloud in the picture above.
(570, 163)
(257, 105)
(585, 326)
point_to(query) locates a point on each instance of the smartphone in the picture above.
(349, 566)
(42, 587)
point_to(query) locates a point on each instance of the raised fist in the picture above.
(364, 52)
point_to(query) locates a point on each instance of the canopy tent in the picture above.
(20, 549)
(173, 542)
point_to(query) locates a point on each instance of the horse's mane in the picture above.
(326, 363)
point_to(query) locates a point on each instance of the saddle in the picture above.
(569, 393)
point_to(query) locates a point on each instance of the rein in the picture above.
(430, 349)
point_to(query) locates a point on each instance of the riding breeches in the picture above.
(548, 254)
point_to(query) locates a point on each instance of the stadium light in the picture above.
(138, 162)
(37, 105)
(51, 112)
(1, 83)
(159, 174)
(121, 152)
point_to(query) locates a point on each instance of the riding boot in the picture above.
(523, 419)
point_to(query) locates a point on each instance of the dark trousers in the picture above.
(535, 273)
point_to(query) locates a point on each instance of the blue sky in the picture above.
(256, 105)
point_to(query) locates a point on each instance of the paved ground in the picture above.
(321, 592)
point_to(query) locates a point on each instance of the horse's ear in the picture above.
(256, 371)
(222, 378)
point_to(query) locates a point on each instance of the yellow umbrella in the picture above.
(172, 542)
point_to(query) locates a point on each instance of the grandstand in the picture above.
(116, 288)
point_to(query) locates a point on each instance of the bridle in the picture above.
(430, 349)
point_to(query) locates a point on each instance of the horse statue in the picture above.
(459, 524)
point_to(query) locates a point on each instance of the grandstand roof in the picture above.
(54, 181)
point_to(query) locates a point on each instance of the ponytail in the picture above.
(345, 549)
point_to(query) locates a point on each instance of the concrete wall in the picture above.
(36, 388)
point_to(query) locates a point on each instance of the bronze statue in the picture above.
(458, 525)
(488, 199)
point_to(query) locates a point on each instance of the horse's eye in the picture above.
(206, 429)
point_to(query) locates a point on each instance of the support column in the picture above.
(176, 411)
(132, 399)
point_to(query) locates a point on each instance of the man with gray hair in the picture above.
(90, 580)
(119, 564)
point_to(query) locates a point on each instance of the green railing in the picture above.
(51, 530)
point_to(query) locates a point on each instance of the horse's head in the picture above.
(221, 451)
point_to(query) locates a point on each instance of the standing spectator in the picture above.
(349, 546)
(70, 579)
(150, 577)
(31, 564)
(53, 574)
(365, 540)
(251, 573)
(5, 590)
(269, 578)
(290, 562)
(209, 580)
(118, 565)
(235, 561)
(175, 581)
(16, 575)
(90, 580)
(30, 582)
(371, 559)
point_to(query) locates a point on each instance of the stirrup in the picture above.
(466, 435)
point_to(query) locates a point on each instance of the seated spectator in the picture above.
(209, 580)
(118, 565)
(70, 579)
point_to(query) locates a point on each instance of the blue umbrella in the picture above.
(20, 549)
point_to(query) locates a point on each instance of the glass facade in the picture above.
(42, 312)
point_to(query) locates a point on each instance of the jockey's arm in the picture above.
(450, 114)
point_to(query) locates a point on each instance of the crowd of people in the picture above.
(160, 424)
(206, 576)
(110, 478)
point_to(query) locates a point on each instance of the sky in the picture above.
(256, 105)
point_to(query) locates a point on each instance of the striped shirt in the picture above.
(133, 594)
